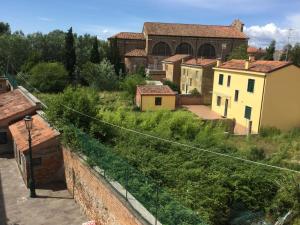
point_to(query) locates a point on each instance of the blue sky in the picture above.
(264, 19)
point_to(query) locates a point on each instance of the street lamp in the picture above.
(28, 124)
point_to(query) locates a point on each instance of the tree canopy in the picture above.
(270, 51)
(239, 53)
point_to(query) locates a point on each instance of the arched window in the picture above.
(207, 51)
(161, 49)
(184, 48)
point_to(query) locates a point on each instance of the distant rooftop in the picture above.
(176, 58)
(155, 90)
(129, 35)
(136, 53)
(200, 62)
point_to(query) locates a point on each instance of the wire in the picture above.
(180, 144)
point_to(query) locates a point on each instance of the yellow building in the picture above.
(258, 93)
(155, 97)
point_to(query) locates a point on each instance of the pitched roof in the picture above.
(192, 30)
(155, 90)
(13, 103)
(255, 66)
(176, 58)
(252, 49)
(40, 133)
(200, 62)
(136, 53)
(129, 35)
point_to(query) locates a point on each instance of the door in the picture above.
(226, 108)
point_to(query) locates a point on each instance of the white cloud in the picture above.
(101, 32)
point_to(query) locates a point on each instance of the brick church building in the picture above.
(161, 40)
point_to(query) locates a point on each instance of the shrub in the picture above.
(256, 154)
(194, 92)
(172, 85)
(130, 82)
(48, 77)
(269, 132)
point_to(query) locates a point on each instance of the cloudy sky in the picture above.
(264, 19)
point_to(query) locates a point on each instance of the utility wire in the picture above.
(178, 143)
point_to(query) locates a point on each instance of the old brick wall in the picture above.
(94, 194)
(189, 100)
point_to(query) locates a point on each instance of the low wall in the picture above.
(101, 200)
(189, 100)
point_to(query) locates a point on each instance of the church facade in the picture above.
(162, 40)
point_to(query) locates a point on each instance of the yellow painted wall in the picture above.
(239, 81)
(281, 105)
(167, 102)
(169, 68)
(194, 73)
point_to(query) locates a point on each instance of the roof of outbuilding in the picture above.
(176, 58)
(192, 30)
(13, 103)
(40, 133)
(136, 53)
(200, 62)
(155, 90)
(252, 49)
(255, 66)
(129, 35)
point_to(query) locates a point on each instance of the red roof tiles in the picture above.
(252, 50)
(40, 133)
(129, 35)
(192, 30)
(255, 66)
(155, 90)
(200, 62)
(136, 53)
(176, 58)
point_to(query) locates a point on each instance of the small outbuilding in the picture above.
(155, 97)
(46, 151)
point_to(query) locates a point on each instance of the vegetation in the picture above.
(292, 53)
(130, 82)
(239, 53)
(70, 55)
(194, 92)
(172, 85)
(95, 55)
(270, 51)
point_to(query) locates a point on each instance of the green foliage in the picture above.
(95, 55)
(70, 54)
(4, 28)
(100, 76)
(130, 82)
(114, 56)
(295, 54)
(270, 51)
(239, 52)
(256, 154)
(269, 131)
(48, 77)
(172, 85)
(194, 92)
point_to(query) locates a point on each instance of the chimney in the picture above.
(239, 25)
(219, 62)
(247, 64)
(251, 58)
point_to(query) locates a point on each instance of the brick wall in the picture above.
(94, 194)
(189, 100)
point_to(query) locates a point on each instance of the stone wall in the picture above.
(189, 100)
(97, 197)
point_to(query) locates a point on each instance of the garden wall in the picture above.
(184, 99)
(101, 200)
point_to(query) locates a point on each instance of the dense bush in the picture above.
(172, 85)
(130, 82)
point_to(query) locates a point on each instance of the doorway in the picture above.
(226, 108)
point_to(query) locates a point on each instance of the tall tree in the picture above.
(239, 52)
(70, 55)
(270, 51)
(4, 28)
(295, 54)
(95, 55)
(114, 56)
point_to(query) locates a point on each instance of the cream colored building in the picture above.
(258, 94)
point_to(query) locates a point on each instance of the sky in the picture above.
(264, 19)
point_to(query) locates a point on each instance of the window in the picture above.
(221, 77)
(157, 100)
(228, 81)
(207, 51)
(248, 111)
(251, 83)
(3, 138)
(184, 48)
(191, 81)
(218, 101)
(161, 49)
(236, 95)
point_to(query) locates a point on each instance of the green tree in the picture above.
(48, 77)
(172, 85)
(295, 54)
(286, 55)
(95, 55)
(70, 55)
(114, 56)
(270, 51)
(130, 82)
(100, 76)
(4, 28)
(239, 52)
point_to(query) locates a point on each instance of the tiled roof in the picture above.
(252, 49)
(200, 62)
(255, 66)
(13, 103)
(192, 30)
(155, 90)
(176, 58)
(40, 133)
(136, 53)
(129, 35)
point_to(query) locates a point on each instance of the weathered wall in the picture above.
(189, 100)
(132, 64)
(95, 195)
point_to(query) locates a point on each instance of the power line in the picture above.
(180, 144)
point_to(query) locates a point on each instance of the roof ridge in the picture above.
(194, 24)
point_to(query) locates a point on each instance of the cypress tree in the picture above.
(270, 51)
(114, 56)
(70, 55)
(95, 55)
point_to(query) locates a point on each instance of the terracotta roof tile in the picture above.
(129, 35)
(255, 66)
(155, 90)
(13, 103)
(252, 49)
(136, 53)
(176, 58)
(40, 133)
(192, 30)
(200, 62)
